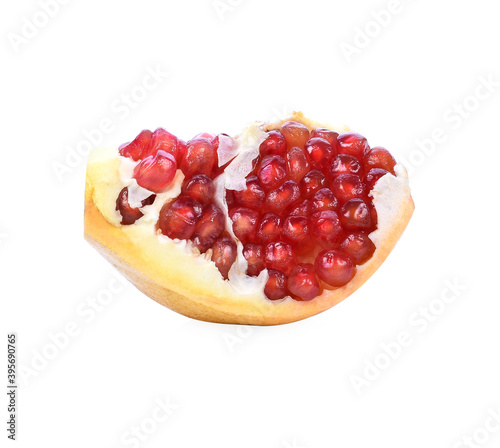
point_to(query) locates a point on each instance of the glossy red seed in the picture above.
(274, 144)
(303, 208)
(199, 187)
(354, 144)
(162, 140)
(296, 134)
(344, 164)
(245, 221)
(355, 215)
(271, 171)
(254, 254)
(279, 255)
(295, 230)
(303, 283)
(224, 255)
(137, 148)
(373, 176)
(209, 227)
(230, 199)
(129, 215)
(379, 157)
(334, 267)
(312, 182)
(325, 226)
(276, 285)
(323, 200)
(328, 135)
(178, 219)
(359, 247)
(297, 163)
(253, 196)
(199, 158)
(320, 153)
(155, 173)
(348, 186)
(269, 228)
(284, 196)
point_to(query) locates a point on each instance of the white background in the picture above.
(277, 387)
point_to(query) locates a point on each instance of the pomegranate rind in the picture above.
(169, 272)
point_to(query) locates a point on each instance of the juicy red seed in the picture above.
(253, 195)
(297, 163)
(224, 254)
(206, 135)
(271, 171)
(296, 134)
(199, 158)
(245, 222)
(274, 144)
(344, 164)
(328, 135)
(312, 182)
(155, 173)
(254, 255)
(230, 199)
(373, 176)
(301, 209)
(269, 228)
(325, 226)
(163, 140)
(209, 228)
(129, 214)
(347, 186)
(137, 148)
(354, 144)
(379, 157)
(303, 282)
(279, 199)
(359, 247)
(295, 229)
(323, 200)
(276, 285)
(320, 153)
(178, 219)
(355, 215)
(334, 267)
(201, 188)
(279, 255)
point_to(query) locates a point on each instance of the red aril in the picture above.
(295, 230)
(279, 255)
(344, 164)
(379, 157)
(354, 144)
(271, 171)
(275, 288)
(209, 227)
(269, 228)
(334, 267)
(297, 163)
(325, 226)
(358, 246)
(199, 187)
(303, 208)
(296, 134)
(178, 218)
(355, 215)
(224, 255)
(254, 255)
(348, 186)
(373, 176)
(274, 144)
(245, 221)
(129, 214)
(285, 195)
(164, 141)
(323, 200)
(155, 173)
(320, 153)
(136, 149)
(199, 157)
(312, 182)
(329, 136)
(302, 282)
(253, 196)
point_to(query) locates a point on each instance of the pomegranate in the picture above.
(289, 222)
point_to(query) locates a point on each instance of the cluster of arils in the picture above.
(305, 214)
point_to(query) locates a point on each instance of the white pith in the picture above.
(388, 194)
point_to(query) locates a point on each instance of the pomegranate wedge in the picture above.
(273, 226)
